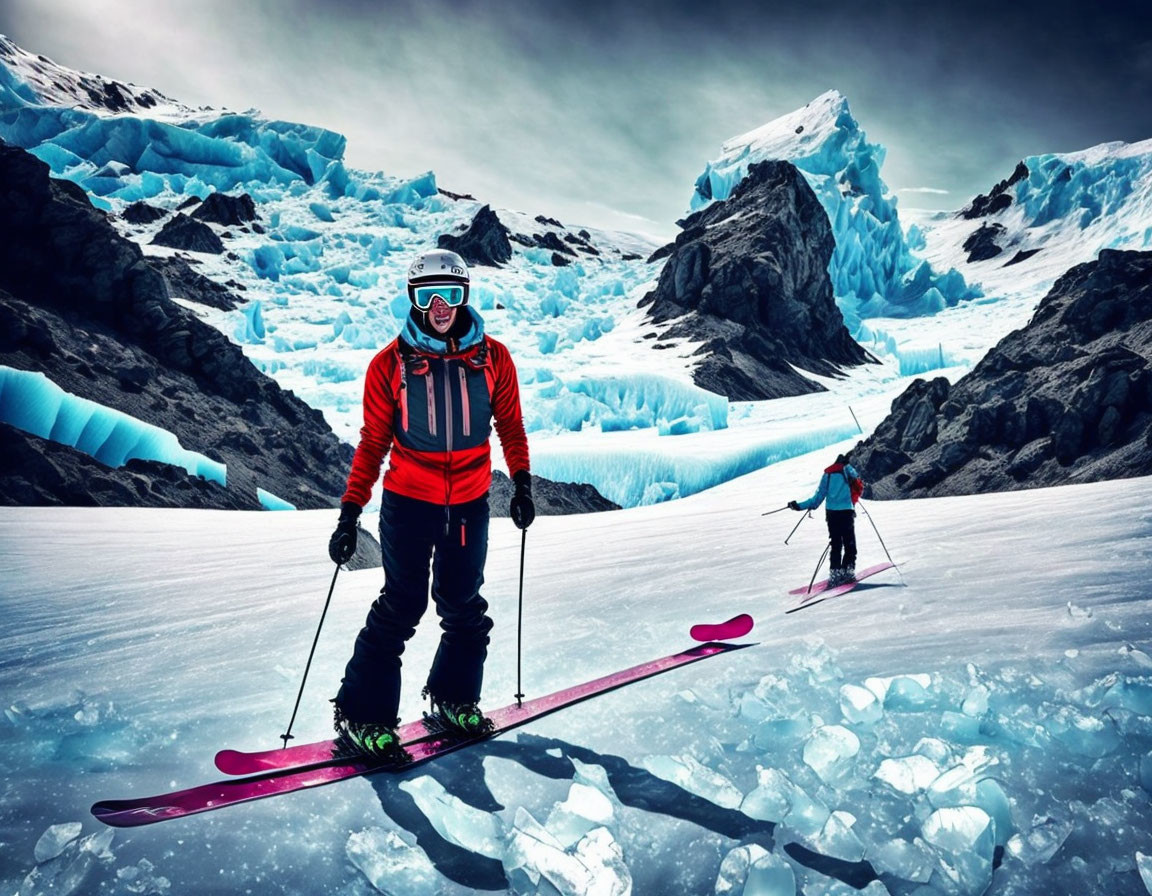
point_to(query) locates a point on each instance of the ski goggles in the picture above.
(452, 294)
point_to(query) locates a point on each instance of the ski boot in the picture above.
(457, 719)
(377, 740)
(836, 577)
(849, 574)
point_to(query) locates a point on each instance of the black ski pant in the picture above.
(413, 536)
(842, 531)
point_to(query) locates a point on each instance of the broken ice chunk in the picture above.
(53, 841)
(830, 752)
(585, 809)
(1144, 864)
(907, 774)
(1146, 772)
(1042, 841)
(688, 773)
(776, 798)
(963, 839)
(770, 875)
(595, 866)
(734, 869)
(910, 861)
(390, 864)
(975, 701)
(1133, 694)
(903, 692)
(837, 839)
(1086, 735)
(859, 705)
(474, 829)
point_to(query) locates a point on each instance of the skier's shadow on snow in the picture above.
(462, 775)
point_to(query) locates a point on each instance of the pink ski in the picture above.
(736, 627)
(237, 762)
(206, 797)
(823, 584)
(815, 597)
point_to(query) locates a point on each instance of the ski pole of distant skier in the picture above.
(819, 563)
(777, 510)
(520, 618)
(886, 554)
(287, 735)
(797, 526)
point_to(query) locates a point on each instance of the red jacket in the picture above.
(435, 413)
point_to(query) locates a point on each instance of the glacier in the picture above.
(875, 270)
(32, 402)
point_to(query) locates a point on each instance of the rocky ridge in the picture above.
(749, 277)
(1068, 398)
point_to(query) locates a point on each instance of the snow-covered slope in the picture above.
(1062, 212)
(37, 80)
(997, 710)
(875, 269)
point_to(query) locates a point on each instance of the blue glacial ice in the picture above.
(32, 402)
(637, 475)
(270, 501)
(390, 864)
(1080, 187)
(875, 271)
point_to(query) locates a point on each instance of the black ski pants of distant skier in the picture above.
(842, 531)
(413, 535)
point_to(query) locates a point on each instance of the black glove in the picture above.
(522, 510)
(792, 505)
(342, 544)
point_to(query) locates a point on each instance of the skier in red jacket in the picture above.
(431, 397)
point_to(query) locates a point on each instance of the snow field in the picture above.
(995, 712)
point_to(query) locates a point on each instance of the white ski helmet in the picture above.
(434, 267)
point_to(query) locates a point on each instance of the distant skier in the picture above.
(842, 486)
(430, 396)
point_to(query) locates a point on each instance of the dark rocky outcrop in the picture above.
(1020, 256)
(550, 240)
(183, 232)
(998, 198)
(981, 245)
(1068, 398)
(142, 213)
(551, 498)
(230, 211)
(185, 283)
(485, 242)
(41, 473)
(83, 305)
(560, 260)
(749, 276)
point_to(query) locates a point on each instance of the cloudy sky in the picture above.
(604, 113)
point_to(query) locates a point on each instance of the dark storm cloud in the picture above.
(575, 108)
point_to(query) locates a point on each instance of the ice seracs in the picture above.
(875, 269)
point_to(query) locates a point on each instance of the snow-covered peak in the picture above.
(29, 79)
(1103, 152)
(798, 134)
(875, 270)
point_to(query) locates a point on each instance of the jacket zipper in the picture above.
(403, 395)
(465, 409)
(431, 403)
(448, 427)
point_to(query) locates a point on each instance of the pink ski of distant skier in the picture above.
(813, 597)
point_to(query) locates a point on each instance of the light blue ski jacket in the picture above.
(835, 488)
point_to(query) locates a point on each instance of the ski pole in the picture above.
(886, 554)
(287, 735)
(820, 563)
(777, 510)
(797, 526)
(520, 618)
